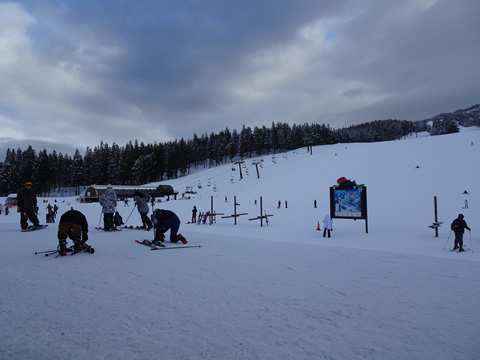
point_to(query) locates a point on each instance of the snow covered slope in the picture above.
(280, 291)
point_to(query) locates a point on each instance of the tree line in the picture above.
(138, 163)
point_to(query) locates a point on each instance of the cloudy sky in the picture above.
(77, 72)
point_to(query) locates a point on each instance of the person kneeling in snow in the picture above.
(163, 220)
(72, 224)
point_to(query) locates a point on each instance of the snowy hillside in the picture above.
(280, 291)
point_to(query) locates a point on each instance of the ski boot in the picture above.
(62, 247)
(77, 246)
(88, 249)
(182, 239)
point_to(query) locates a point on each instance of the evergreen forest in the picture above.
(138, 163)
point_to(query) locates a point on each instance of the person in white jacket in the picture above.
(327, 225)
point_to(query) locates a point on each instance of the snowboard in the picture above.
(33, 228)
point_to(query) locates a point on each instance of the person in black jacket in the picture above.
(163, 220)
(27, 206)
(74, 225)
(458, 227)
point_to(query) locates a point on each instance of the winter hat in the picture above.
(109, 186)
(341, 180)
(28, 183)
(460, 216)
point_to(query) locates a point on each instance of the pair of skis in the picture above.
(86, 248)
(160, 246)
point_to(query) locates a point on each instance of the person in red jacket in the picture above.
(27, 206)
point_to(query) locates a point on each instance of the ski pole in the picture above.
(101, 212)
(126, 221)
(471, 243)
(447, 240)
(46, 252)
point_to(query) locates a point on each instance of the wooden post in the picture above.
(436, 214)
(235, 210)
(261, 217)
(256, 165)
(261, 212)
(211, 210)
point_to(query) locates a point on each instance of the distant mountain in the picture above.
(464, 117)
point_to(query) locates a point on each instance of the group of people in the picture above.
(73, 224)
(163, 220)
(5, 209)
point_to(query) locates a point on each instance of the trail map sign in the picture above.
(349, 203)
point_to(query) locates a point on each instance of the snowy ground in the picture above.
(280, 291)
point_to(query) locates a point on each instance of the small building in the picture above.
(93, 192)
(11, 200)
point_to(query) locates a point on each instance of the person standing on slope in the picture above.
(194, 214)
(327, 225)
(108, 200)
(27, 206)
(141, 201)
(458, 227)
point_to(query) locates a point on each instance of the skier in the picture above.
(327, 225)
(141, 201)
(27, 206)
(165, 220)
(194, 214)
(72, 224)
(458, 227)
(108, 200)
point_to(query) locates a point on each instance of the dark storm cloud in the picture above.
(113, 70)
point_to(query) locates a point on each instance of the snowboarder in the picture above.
(194, 214)
(108, 200)
(74, 225)
(27, 206)
(163, 221)
(141, 201)
(327, 225)
(466, 204)
(279, 204)
(125, 201)
(315, 203)
(458, 227)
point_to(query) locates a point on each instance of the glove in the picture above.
(18, 209)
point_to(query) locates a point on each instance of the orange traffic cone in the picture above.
(318, 225)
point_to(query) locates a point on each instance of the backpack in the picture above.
(117, 219)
